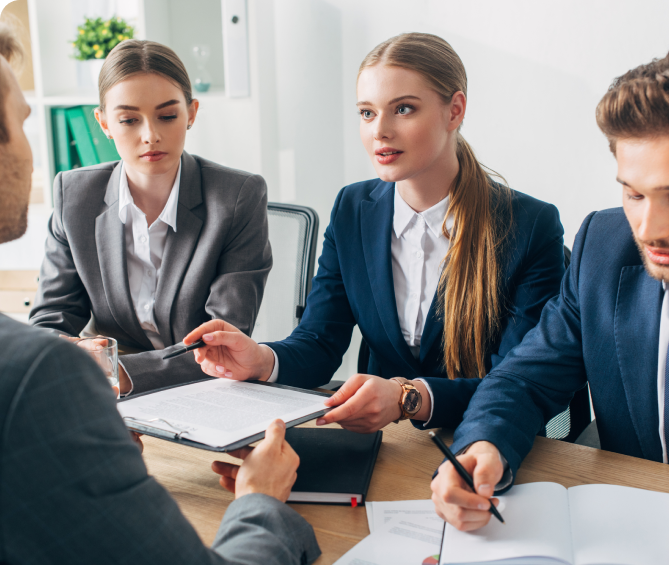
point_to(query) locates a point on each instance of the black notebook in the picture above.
(335, 465)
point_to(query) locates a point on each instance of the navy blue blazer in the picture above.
(354, 285)
(603, 328)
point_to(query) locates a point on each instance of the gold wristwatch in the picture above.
(410, 399)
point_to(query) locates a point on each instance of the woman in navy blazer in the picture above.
(501, 260)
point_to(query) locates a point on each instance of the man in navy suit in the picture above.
(609, 326)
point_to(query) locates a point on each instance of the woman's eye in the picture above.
(404, 109)
(168, 118)
(128, 121)
(366, 114)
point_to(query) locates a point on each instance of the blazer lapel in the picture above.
(433, 329)
(179, 246)
(110, 243)
(637, 330)
(376, 225)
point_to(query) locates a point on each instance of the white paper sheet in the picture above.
(619, 525)
(537, 523)
(220, 412)
(401, 541)
(378, 513)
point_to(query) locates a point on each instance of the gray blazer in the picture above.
(214, 266)
(73, 485)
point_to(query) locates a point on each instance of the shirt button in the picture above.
(146, 307)
(149, 272)
(414, 295)
(142, 239)
(419, 254)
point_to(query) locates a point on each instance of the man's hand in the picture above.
(454, 501)
(270, 468)
(230, 353)
(365, 404)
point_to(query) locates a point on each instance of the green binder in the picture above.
(105, 148)
(83, 139)
(64, 152)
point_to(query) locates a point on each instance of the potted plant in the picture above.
(95, 39)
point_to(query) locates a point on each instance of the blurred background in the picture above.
(536, 72)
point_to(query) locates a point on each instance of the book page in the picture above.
(383, 512)
(619, 525)
(536, 517)
(401, 541)
(220, 412)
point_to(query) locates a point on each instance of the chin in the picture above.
(389, 175)
(658, 272)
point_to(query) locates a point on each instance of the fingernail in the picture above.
(320, 422)
(220, 368)
(483, 506)
(228, 374)
(485, 489)
(207, 337)
(281, 424)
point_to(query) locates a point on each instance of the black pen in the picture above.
(185, 349)
(462, 471)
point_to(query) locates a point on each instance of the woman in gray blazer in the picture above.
(146, 249)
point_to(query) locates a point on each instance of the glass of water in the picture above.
(105, 352)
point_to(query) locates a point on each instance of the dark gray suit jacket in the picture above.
(74, 488)
(214, 266)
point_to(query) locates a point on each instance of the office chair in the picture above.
(293, 232)
(566, 426)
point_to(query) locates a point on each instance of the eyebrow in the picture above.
(136, 109)
(657, 188)
(393, 101)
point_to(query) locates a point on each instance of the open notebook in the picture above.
(584, 525)
(219, 414)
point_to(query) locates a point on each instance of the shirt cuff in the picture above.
(132, 385)
(429, 390)
(275, 372)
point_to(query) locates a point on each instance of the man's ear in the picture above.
(102, 120)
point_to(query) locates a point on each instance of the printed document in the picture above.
(219, 412)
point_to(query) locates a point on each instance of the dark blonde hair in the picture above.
(12, 50)
(134, 56)
(636, 104)
(469, 287)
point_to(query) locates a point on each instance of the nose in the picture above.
(382, 127)
(150, 133)
(654, 224)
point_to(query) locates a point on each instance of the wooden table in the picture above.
(406, 462)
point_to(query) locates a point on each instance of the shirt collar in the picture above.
(434, 216)
(169, 213)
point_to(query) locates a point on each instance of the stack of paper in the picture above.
(406, 532)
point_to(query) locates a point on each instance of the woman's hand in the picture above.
(230, 353)
(365, 404)
(270, 468)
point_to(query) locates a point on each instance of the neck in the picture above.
(151, 192)
(432, 185)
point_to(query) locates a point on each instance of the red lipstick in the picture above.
(387, 155)
(152, 155)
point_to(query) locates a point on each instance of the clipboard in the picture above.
(145, 427)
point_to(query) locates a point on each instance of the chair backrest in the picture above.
(293, 231)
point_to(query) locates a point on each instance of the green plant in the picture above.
(96, 38)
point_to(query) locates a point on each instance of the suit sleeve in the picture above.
(537, 380)
(75, 489)
(313, 352)
(235, 293)
(62, 303)
(538, 280)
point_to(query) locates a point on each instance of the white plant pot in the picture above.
(88, 73)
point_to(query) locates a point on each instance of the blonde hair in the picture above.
(134, 56)
(469, 287)
(12, 50)
(636, 104)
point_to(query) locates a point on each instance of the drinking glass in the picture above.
(105, 352)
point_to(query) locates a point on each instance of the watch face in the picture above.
(412, 401)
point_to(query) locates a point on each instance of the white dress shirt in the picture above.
(418, 247)
(661, 364)
(144, 246)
